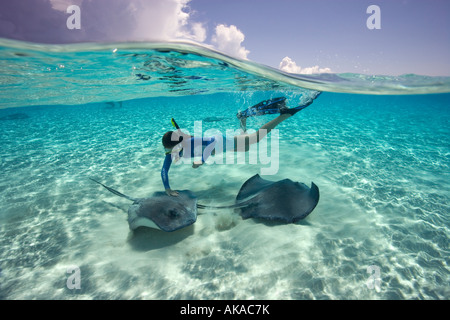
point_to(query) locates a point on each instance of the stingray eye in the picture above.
(173, 213)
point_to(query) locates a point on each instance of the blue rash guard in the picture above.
(192, 147)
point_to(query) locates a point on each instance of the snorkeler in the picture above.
(175, 142)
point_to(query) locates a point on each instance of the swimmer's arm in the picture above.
(209, 149)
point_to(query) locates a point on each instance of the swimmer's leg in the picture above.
(242, 142)
(243, 122)
(270, 106)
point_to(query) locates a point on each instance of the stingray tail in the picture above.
(235, 206)
(117, 193)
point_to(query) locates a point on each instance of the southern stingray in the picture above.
(161, 211)
(285, 201)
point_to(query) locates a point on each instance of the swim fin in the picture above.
(270, 106)
(293, 111)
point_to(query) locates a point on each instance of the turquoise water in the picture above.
(381, 162)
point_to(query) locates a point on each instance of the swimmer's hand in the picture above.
(172, 193)
(197, 164)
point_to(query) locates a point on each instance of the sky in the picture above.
(299, 36)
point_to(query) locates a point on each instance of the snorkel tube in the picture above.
(174, 123)
(179, 133)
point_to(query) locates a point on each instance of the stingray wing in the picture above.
(251, 187)
(283, 200)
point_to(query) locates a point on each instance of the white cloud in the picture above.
(61, 5)
(115, 21)
(128, 20)
(229, 40)
(199, 32)
(166, 20)
(289, 65)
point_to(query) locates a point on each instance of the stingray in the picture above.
(213, 119)
(15, 116)
(161, 211)
(284, 201)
